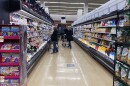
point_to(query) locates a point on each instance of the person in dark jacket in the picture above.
(54, 39)
(69, 37)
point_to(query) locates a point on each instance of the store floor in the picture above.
(69, 67)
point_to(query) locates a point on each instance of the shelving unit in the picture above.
(88, 39)
(38, 33)
(122, 65)
(97, 36)
(13, 55)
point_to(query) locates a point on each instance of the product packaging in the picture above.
(118, 69)
(15, 31)
(5, 31)
(125, 53)
(124, 73)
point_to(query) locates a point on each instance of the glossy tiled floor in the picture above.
(69, 67)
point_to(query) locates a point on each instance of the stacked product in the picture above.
(37, 33)
(10, 58)
(35, 38)
(122, 66)
(100, 36)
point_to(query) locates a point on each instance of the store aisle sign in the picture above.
(63, 20)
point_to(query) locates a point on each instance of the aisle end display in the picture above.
(13, 53)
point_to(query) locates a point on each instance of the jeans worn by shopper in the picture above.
(69, 44)
(55, 48)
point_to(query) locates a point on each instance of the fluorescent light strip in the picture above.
(70, 7)
(66, 7)
(63, 3)
(94, 4)
(62, 13)
(61, 10)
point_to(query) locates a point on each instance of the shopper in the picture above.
(54, 39)
(69, 37)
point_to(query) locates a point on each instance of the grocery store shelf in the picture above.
(124, 63)
(12, 37)
(119, 79)
(106, 27)
(29, 13)
(100, 44)
(36, 57)
(99, 32)
(102, 39)
(10, 77)
(9, 64)
(10, 51)
(107, 62)
(38, 50)
(124, 27)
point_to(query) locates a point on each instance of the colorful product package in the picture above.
(15, 58)
(5, 31)
(10, 82)
(125, 53)
(15, 46)
(4, 71)
(124, 73)
(14, 71)
(15, 31)
(6, 46)
(9, 71)
(14, 82)
(6, 57)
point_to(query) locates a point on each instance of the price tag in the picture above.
(2, 78)
(1, 38)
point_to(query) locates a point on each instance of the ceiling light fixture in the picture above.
(63, 3)
(94, 4)
(66, 7)
(61, 10)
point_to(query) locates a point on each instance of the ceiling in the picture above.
(70, 7)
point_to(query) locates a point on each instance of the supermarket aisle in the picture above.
(69, 68)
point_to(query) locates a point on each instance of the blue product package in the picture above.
(114, 23)
(112, 55)
(5, 31)
(15, 31)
